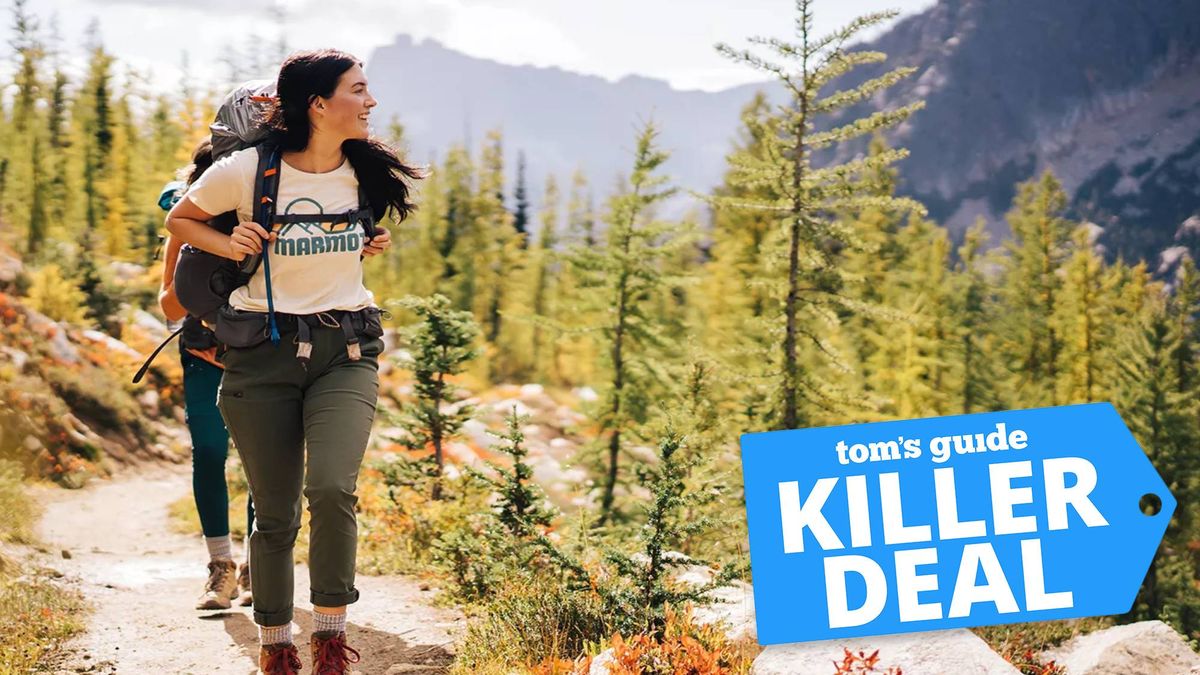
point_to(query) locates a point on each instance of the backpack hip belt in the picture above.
(366, 322)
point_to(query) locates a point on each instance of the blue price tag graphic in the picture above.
(916, 525)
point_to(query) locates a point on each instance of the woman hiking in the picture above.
(210, 440)
(307, 394)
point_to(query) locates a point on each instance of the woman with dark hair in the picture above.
(210, 440)
(311, 396)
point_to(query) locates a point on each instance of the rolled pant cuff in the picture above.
(334, 599)
(273, 618)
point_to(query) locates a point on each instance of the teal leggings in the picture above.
(210, 446)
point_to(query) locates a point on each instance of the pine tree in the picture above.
(454, 245)
(498, 261)
(1082, 322)
(911, 365)
(442, 344)
(521, 204)
(29, 50)
(543, 263)
(736, 306)
(1162, 416)
(581, 217)
(575, 352)
(1039, 246)
(807, 197)
(521, 506)
(644, 593)
(92, 112)
(26, 182)
(977, 391)
(58, 141)
(619, 278)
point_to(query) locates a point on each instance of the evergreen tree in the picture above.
(643, 593)
(544, 295)
(619, 278)
(454, 246)
(977, 392)
(521, 506)
(1162, 416)
(807, 196)
(521, 202)
(1083, 322)
(442, 344)
(1039, 246)
(25, 183)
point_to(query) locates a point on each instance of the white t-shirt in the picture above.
(315, 267)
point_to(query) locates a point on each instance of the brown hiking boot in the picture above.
(280, 659)
(221, 587)
(245, 595)
(330, 655)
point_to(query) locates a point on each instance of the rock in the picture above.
(532, 390)
(1143, 648)
(956, 651)
(149, 400)
(66, 554)
(32, 444)
(601, 663)
(111, 343)
(10, 268)
(18, 358)
(125, 272)
(391, 340)
(585, 394)
(55, 334)
(477, 431)
(735, 606)
(506, 406)
(149, 324)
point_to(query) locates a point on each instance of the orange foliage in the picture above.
(861, 664)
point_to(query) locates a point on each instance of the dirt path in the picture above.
(143, 580)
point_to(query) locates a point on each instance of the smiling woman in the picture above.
(308, 399)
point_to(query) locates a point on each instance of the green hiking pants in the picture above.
(282, 415)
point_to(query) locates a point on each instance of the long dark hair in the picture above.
(307, 74)
(201, 159)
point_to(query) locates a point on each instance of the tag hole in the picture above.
(1150, 504)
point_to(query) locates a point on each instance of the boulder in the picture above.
(601, 663)
(735, 606)
(956, 651)
(18, 358)
(111, 344)
(1143, 648)
(10, 268)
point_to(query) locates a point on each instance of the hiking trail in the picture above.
(112, 541)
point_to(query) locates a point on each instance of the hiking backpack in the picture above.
(204, 281)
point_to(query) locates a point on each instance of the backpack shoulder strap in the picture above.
(266, 190)
(365, 215)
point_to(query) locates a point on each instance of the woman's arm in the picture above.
(189, 223)
(167, 299)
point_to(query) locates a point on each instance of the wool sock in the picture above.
(273, 635)
(327, 625)
(219, 548)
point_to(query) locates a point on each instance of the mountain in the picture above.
(560, 120)
(1106, 93)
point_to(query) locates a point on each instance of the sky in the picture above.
(670, 40)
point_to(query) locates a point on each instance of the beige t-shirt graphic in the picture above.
(315, 267)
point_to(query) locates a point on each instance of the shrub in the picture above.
(56, 296)
(533, 623)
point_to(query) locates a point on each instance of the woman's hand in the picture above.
(381, 242)
(247, 239)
